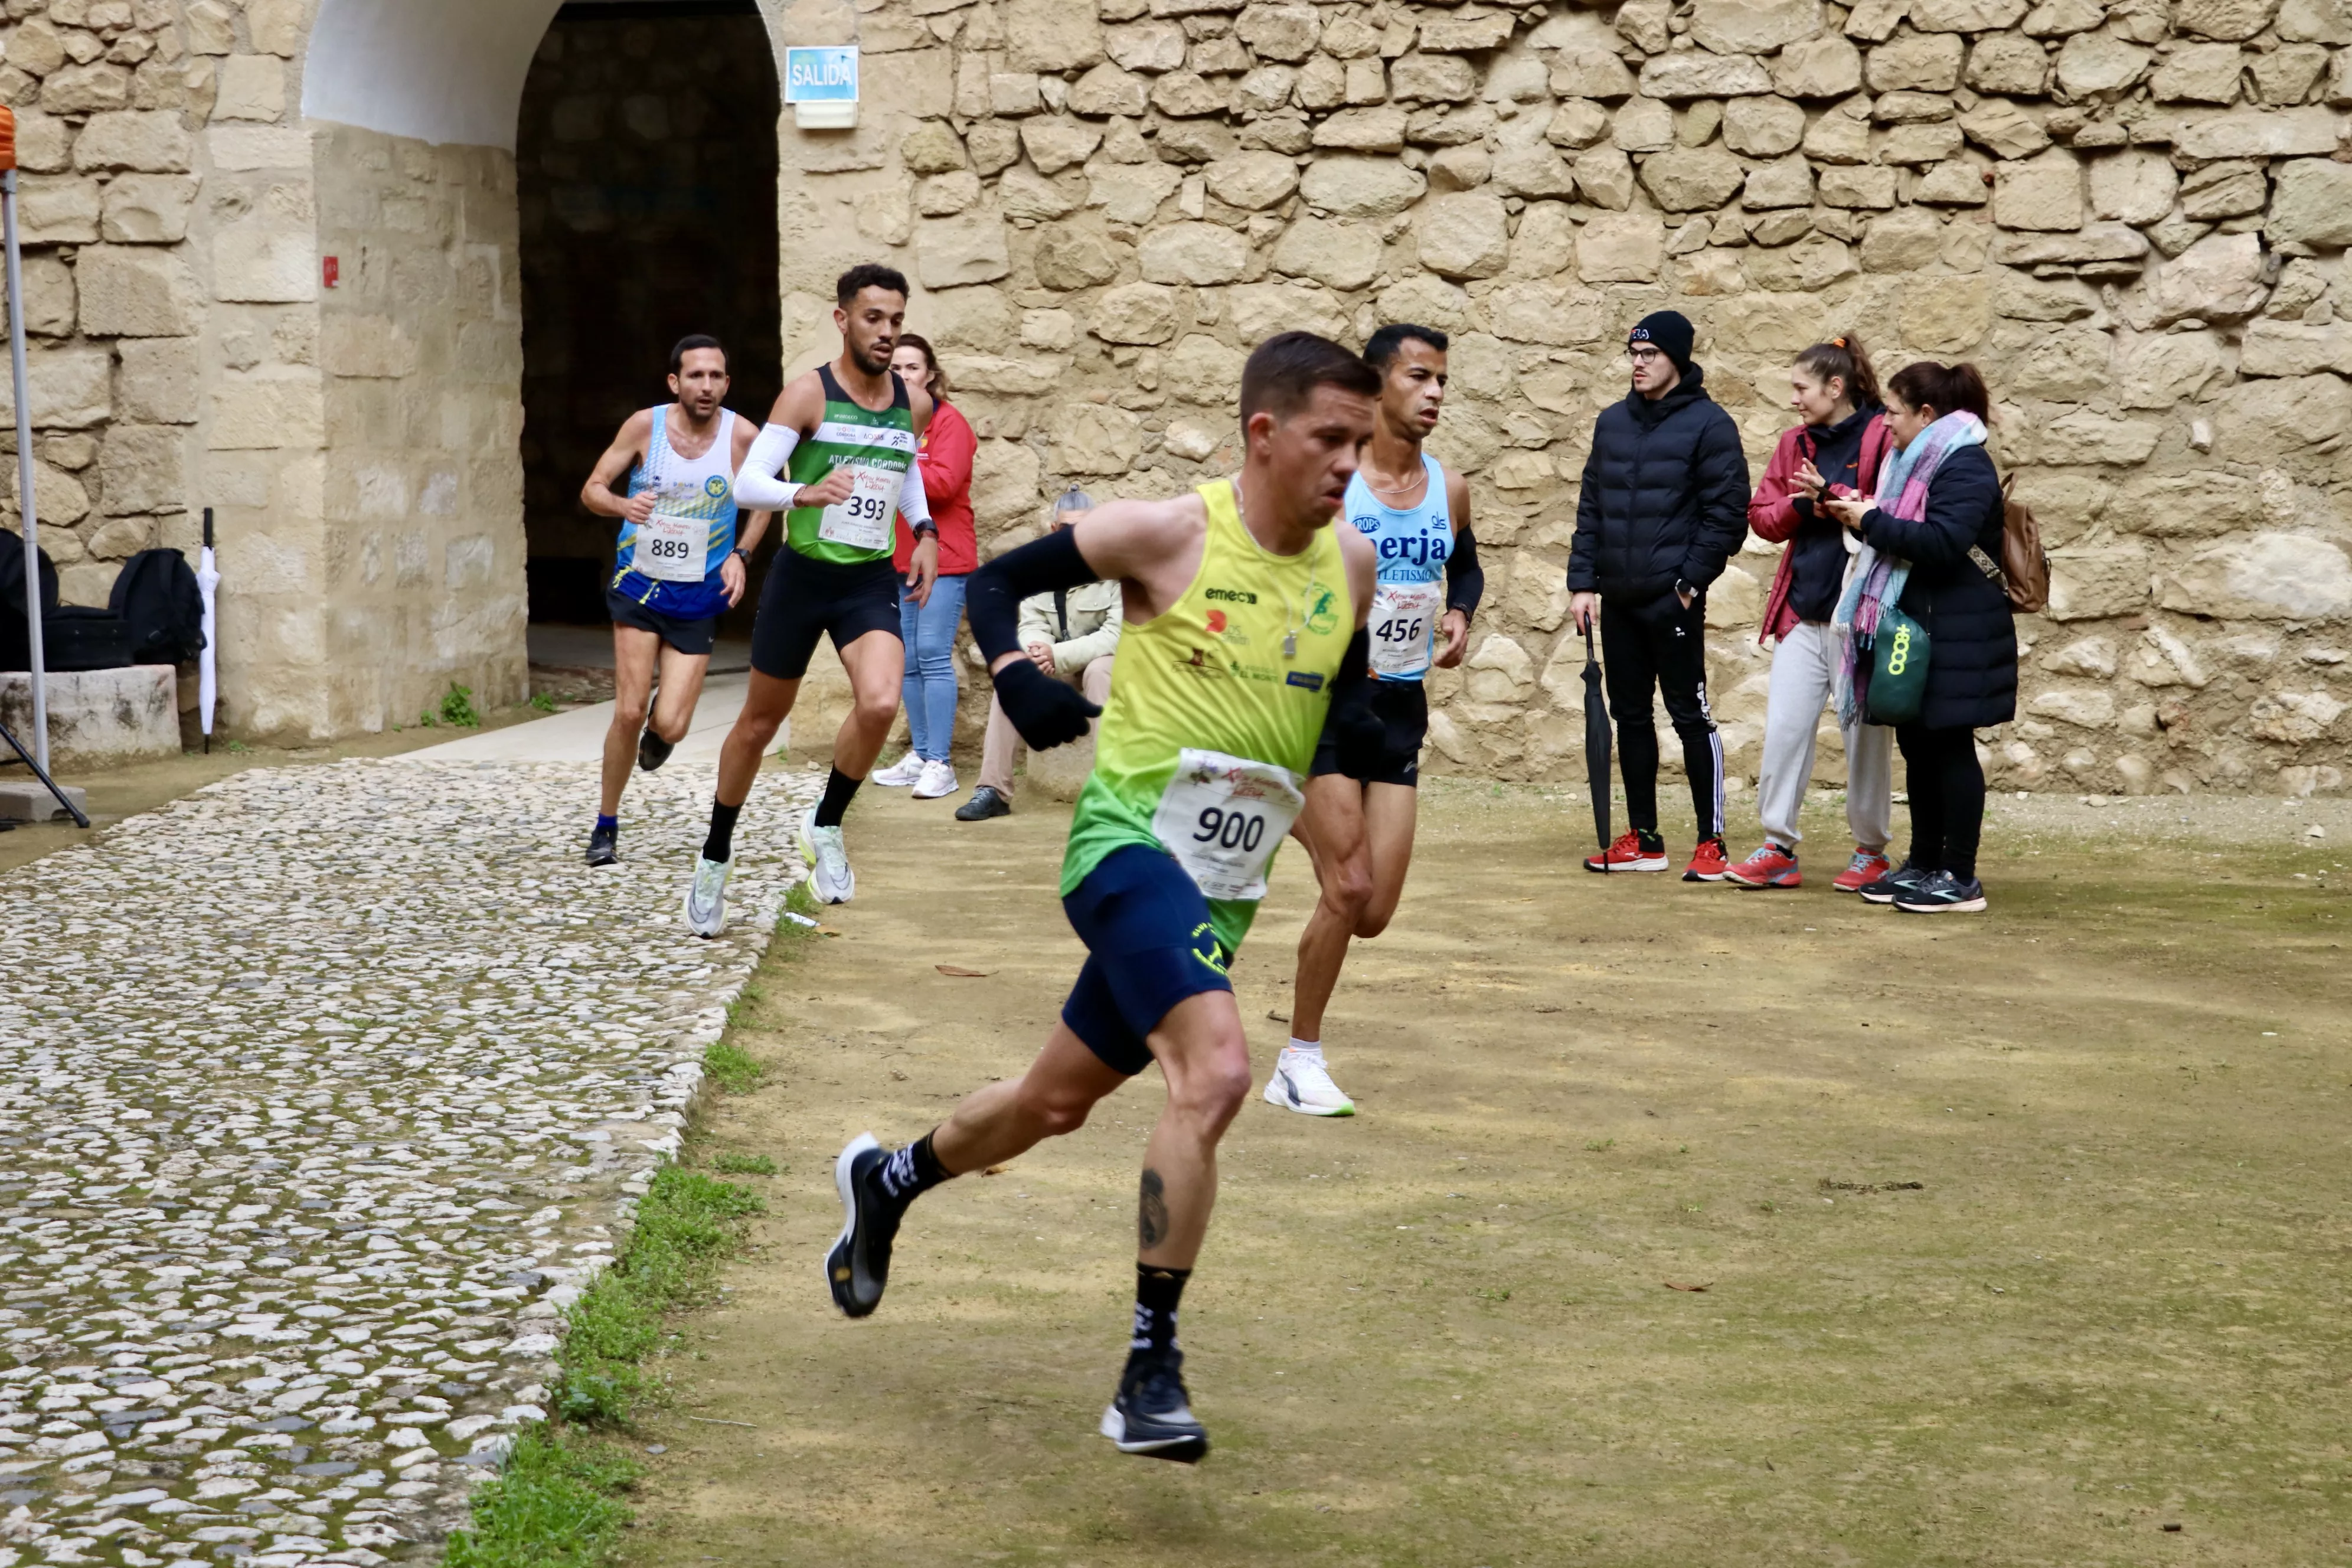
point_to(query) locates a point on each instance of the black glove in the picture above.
(1046, 712)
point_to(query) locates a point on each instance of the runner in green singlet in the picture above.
(1245, 605)
(842, 438)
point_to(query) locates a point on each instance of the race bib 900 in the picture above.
(1223, 817)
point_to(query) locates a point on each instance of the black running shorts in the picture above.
(1150, 945)
(1402, 709)
(804, 599)
(687, 636)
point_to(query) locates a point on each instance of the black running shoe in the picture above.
(858, 1267)
(604, 846)
(985, 802)
(652, 749)
(1151, 1416)
(1942, 894)
(1894, 884)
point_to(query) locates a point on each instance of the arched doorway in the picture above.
(646, 168)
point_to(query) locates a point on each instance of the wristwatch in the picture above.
(742, 554)
(925, 528)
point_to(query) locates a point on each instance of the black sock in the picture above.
(1157, 1291)
(913, 1170)
(837, 791)
(720, 845)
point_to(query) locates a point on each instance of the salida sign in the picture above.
(824, 75)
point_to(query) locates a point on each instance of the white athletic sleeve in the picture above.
(913, 504)
(757, 487)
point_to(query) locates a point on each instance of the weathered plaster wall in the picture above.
(2132, 215)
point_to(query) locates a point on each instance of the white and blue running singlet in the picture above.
(670, 562)
(1410, 597)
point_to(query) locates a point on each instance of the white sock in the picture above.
(1311, 1048)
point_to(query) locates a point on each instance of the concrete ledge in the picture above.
(27, 800)
(99, 718)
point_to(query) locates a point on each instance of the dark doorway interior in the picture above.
(646, 173)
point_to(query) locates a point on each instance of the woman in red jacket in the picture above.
(944, 457)
(1835, 453)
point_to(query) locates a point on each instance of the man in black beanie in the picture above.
(1663, 504)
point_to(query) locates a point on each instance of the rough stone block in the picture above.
(1055, 145)
(2006, 63)
(2260, 133)
(147, 209)
(1290, 31)
(98, 717)
(2312, 204)
(1259, 311)
(1051, 35)
(1674, 78)
(1375, 130)
(71, 389)
(252, 87)
(265, 267)
(2271, 576)
(2135, 187)
(1821, 68)
(2092, 242)
(953, 252)
(56, 209)
(2044, 194)
(1094, 438)
(91, 89)
(1418, 297)
(1605, 176)
(1465, 235)
(1072, 257)
(1946, 315)
(1195, 253)
(1136, 313)
(135, 291)
(1152, 48)
(244, 149)
(1866, 187)
(1352, 186)
(2095, 65)
(1691, 179)
(2005, 131)
(2228, 19)
(2219, 278)
(1920, 62)
(1753, 27)
(2198, 73)
(1533, 171)
(146, 141)
(2167, 371)
(1433, 78)
(1340, 255)
(1915, 146)
(1966, 16)
(1904, 240)
(159, 380)
(1955, 184)
(1784, 182)
(1762, 127)
(1622, 248)
(143, 469)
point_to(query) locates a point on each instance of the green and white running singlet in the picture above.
(1215, 707)
(879, 444)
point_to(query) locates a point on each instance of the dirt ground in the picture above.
(2014, 1239)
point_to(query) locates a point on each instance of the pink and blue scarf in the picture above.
(1876, 581)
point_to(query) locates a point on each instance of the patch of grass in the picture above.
(553, 1505)
(731, 1066)
(1600, 1145)
(543, 701)
(457, 707)
(556, 1502)
(745, 1165)
(686, 1222)
(238, 748)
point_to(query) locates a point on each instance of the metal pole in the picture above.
(25, 471)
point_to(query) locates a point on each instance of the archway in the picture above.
(645, 170)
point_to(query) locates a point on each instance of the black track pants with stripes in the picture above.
(1660, 646)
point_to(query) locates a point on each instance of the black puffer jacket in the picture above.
(1664, 496)
(1971, 634)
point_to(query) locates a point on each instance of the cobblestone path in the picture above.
(322, 1092)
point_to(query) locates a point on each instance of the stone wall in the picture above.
(2131, 216)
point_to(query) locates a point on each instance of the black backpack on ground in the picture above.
(161, 608)
(13, 640)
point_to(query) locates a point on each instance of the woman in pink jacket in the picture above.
(1836, 452)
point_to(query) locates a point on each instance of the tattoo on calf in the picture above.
(1151, 1211)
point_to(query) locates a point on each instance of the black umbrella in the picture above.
(1596, 741)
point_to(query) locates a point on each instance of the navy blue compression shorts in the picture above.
(1150, 945)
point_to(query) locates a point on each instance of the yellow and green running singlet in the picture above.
(1211, 727)
(877, 445)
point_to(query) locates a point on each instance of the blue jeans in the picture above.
(930, 693)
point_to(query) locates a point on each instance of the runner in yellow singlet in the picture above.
(1245, 606)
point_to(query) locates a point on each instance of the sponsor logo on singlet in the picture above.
(1230, 596)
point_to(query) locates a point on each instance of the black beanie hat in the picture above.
(1668, 330)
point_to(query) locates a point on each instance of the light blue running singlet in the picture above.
(1410, 598)
(673, 563)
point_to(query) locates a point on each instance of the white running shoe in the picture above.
(829, 878)
(939, 779)
(706, 898)
(1302, 1083)
(900, 773)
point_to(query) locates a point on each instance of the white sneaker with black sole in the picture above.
(829, 878)
(706, 897)
(1302, 1083)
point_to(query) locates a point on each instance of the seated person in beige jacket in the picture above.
(1072, 634)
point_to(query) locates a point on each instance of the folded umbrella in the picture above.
(207, 672)
(1596, 741)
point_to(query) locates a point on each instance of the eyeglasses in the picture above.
(1646, 356)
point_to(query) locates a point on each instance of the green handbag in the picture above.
(1898, 668)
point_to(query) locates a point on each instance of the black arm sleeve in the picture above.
(1466, 584)
(1041, 566)
(1356, 732)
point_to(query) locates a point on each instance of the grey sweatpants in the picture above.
(1792, 717)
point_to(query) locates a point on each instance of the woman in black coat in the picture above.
(1971, 635)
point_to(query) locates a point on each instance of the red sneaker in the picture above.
(1709, 863)
(1629, 853)
(1865, 868)
(1770, 867)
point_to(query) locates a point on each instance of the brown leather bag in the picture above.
(2023, 570)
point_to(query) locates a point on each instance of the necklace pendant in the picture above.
(1290, 645)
